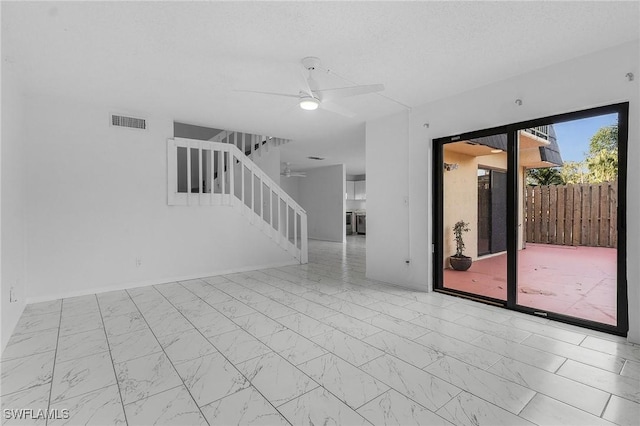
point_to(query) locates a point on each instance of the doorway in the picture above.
(492, 211)
(548, 236)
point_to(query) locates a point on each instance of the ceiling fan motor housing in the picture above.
(311, 63)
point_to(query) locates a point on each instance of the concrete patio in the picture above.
(575, 281)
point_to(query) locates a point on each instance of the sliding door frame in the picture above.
(622, 109)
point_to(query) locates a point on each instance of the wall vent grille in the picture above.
(130, 122)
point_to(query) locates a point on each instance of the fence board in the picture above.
(560, 197)
(603, 238)
(572, 215)
(568, 216)
(528, 202)
(537, 210)
(553, 216)
(544, 219)
(585, 211)
(594, 226)
(613, 213)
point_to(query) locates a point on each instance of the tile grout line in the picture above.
(606, 405)
(55, 355)
(113, 366)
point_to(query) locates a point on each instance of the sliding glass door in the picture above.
(537, 207)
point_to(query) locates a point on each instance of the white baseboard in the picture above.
(125, 286)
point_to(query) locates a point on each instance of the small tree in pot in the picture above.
(459, 261)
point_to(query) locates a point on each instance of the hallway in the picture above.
(311, 344)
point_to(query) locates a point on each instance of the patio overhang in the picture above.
(537, 149)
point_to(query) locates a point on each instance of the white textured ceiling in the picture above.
(184, 59)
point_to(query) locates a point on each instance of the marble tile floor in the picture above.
(310, 344)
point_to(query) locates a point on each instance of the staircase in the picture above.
(229, 177)
(248, 143)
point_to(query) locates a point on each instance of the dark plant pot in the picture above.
(461, 263)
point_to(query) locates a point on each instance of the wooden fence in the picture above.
(575, 215)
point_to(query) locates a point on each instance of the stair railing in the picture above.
(250, 144)
(217, 173)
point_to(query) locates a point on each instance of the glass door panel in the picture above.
(568, 203)
(474, 198)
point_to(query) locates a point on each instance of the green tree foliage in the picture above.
(574, 172)
(600, 164)
(603, 166)
(602, 159)
(546, 176)
(605, 138)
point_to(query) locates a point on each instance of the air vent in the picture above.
(315, 158)
(130, 122)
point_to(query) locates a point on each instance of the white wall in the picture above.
(291, 185)
(399, 157)
(12, 223)
(268, 161)
(322, 196)
(97, 200)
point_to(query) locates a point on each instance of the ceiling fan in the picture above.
(286, 172)
(311, 97)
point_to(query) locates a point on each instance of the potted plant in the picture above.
(459, 261)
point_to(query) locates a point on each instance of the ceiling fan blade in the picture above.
(287, 95)
(345, 92)
(330, 106)
(306, 89)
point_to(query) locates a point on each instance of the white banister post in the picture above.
(304, 249)
(232, 196)
(253, 144)
(242, 191)
(286, 215)
(223, 181)
(261, 200)
(200, 174)
(172, 181)
(279, 221)
(253, 192)
(295, 232)
(188, 173)
(271, 208)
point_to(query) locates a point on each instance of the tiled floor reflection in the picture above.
(311, 344)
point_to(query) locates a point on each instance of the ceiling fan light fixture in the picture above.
(309, 103)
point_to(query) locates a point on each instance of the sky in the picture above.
(573, 136)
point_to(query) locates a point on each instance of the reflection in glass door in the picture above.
(568, 247)
(475, 200)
